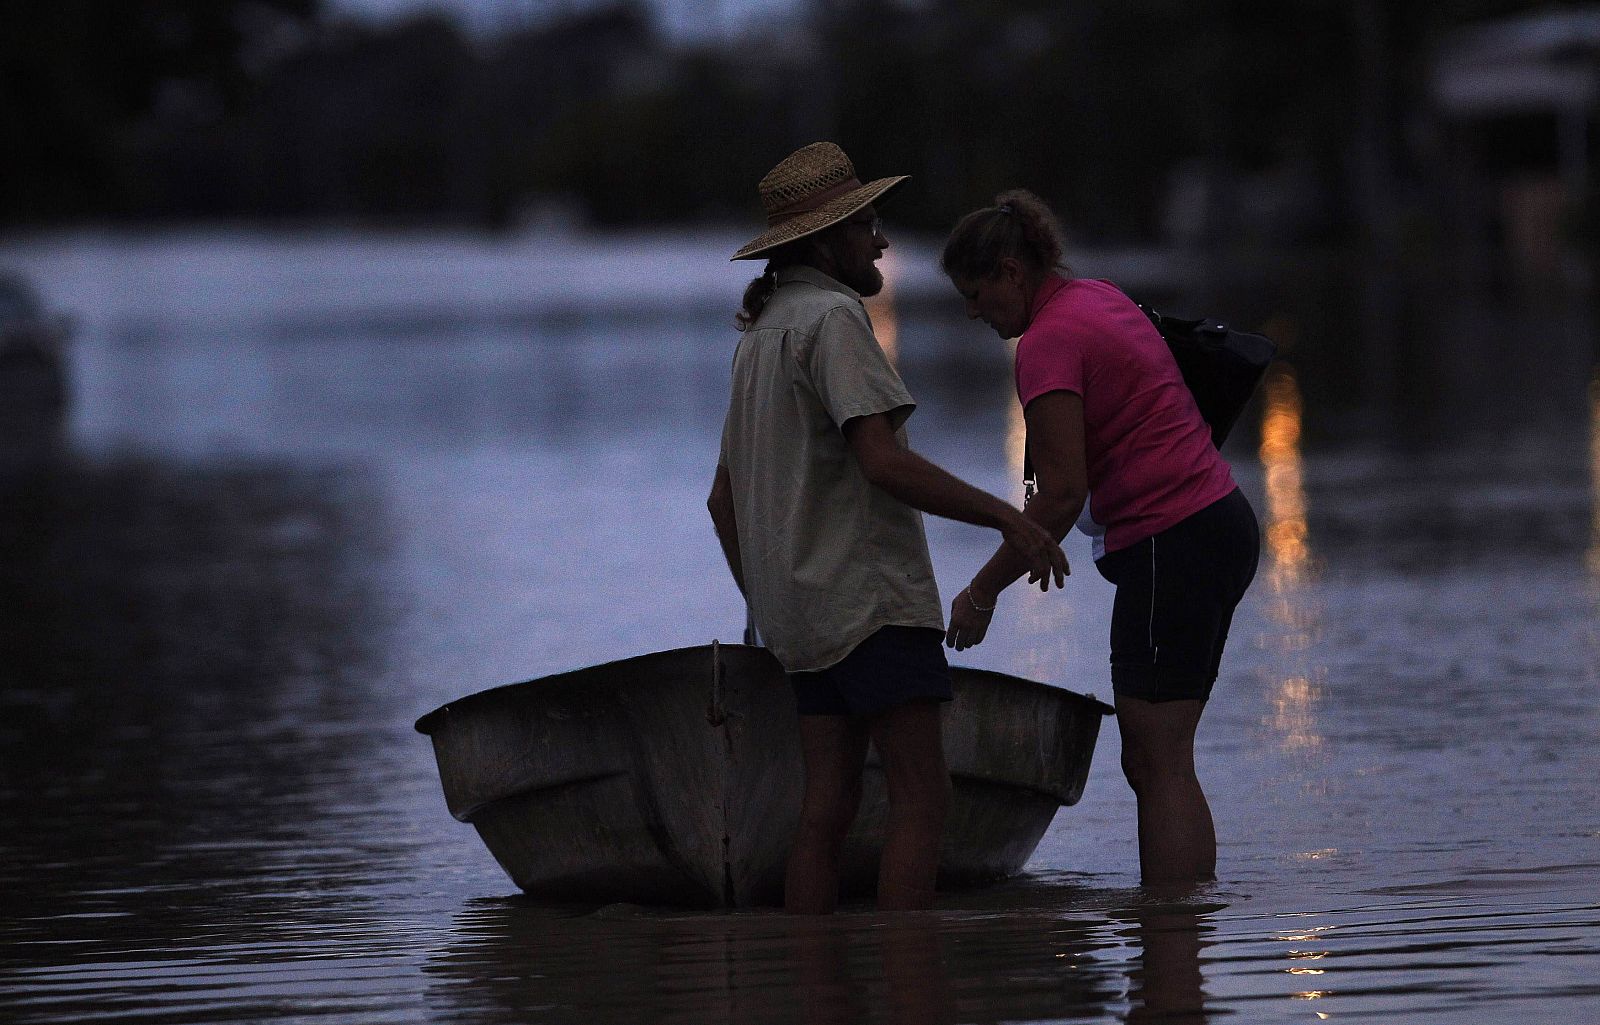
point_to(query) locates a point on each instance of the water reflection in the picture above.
(1165, 982)
(178, 642)
(1293, 717)
(509, 960)
(216, 809)
(1294, 696)
(1303, 969)
(1287, 535)
(1594, 473)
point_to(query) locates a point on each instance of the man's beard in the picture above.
(864, 279)
(868, 282)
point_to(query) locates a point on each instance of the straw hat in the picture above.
(812, 188)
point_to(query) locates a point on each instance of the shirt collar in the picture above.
(810, 275)
(1047, 291)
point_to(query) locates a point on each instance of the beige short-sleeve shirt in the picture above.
(828, 558)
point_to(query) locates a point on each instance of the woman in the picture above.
(1110, 420)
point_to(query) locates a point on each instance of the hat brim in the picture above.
(825, 216)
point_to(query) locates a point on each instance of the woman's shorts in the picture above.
(1176, 593)
(894, 666)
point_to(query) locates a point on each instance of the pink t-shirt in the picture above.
(1149, 453)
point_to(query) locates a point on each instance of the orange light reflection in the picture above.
(1288, 539)
(1292, 714)
(1290, 564)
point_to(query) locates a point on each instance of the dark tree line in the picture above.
(94, 94)
(179, 109)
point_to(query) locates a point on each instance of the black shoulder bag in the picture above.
(1221, 366)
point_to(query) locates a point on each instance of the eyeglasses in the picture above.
(874, 227)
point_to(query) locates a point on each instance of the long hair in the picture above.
(1019, 225)
(761, 288)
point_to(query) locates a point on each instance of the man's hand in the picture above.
(968, 623)
(1044, 558)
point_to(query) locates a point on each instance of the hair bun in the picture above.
(1019, 224)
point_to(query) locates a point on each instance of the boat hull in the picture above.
(674, 778)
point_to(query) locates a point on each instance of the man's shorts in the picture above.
(1176, 593)
(894, 666)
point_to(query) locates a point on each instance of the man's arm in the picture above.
(925, 486)
(720, 505)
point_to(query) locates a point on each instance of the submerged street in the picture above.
(270, 549)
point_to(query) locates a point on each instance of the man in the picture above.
(815, 501)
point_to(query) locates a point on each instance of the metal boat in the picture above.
(674, 777)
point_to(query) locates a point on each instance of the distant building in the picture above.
(1515, 101)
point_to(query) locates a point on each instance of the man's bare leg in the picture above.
(834, 748)
(912, 751)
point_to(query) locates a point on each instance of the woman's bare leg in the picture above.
(1177, 840)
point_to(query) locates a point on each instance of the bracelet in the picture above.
(974, 604)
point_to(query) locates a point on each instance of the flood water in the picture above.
(277, 540)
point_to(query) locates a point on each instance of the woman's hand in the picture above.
(968, 623)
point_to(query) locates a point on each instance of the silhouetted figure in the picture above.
(816, 500)
(1108, 415)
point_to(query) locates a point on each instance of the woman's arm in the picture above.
(1055, 441)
